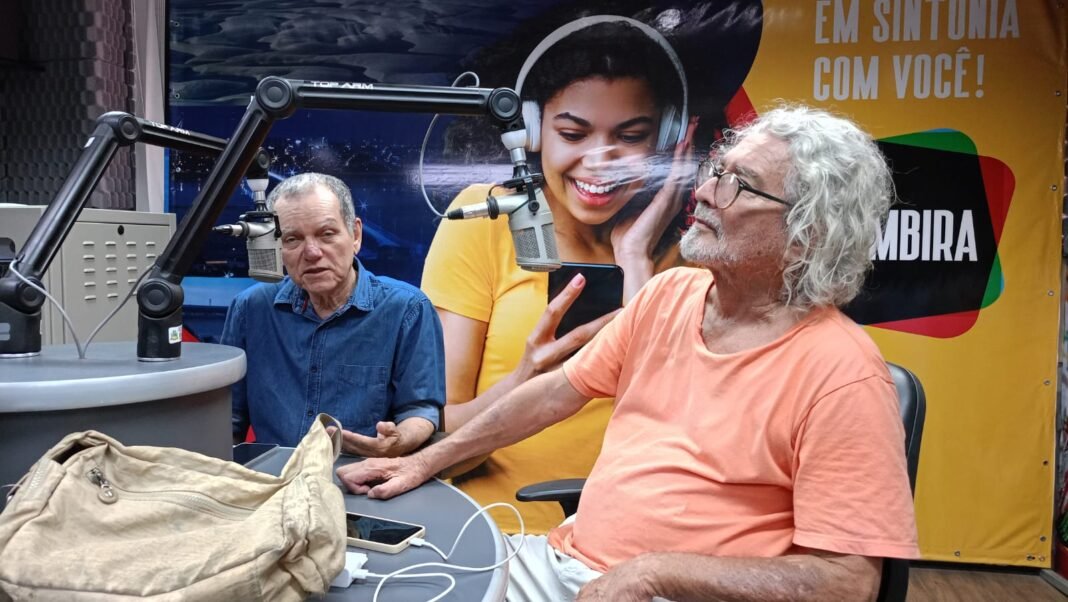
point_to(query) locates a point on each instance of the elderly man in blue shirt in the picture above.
(332, 337)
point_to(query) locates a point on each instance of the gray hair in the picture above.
(841, 190)
(306, 183)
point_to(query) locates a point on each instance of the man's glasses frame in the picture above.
(722, 196)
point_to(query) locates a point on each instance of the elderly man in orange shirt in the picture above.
(755, 450)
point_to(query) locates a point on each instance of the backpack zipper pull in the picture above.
(107, 493)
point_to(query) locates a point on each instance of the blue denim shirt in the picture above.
(381, 356)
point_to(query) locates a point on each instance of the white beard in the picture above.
(697, 252)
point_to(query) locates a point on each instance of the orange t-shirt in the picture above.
(798, 442)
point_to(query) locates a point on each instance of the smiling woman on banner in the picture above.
(605, 112)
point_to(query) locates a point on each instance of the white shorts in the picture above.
(539, 573)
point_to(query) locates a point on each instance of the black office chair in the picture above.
(913, 405)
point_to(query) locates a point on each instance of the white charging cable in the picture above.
(354, 571)
(401, 573)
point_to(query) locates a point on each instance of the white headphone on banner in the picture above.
(672, 119)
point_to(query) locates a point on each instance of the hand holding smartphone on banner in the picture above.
(602, 293)
(570, 320)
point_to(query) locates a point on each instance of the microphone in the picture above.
(263, 246)
(261, 231)
(531, 223)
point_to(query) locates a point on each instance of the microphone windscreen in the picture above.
(264, 259)
(534, 237)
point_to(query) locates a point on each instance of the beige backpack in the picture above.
(96, 520)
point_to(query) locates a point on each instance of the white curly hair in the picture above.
(840, 188)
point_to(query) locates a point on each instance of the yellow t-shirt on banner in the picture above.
(470, 270)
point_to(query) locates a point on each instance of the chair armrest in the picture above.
(564, 491)
(551, 491)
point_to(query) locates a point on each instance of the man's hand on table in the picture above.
(383, 478)
(392, 440)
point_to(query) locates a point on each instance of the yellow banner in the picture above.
(968, 99)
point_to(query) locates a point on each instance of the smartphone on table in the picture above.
(602, 294)
(246, 452)
(380, 534)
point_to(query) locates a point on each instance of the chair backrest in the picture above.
(913, 405)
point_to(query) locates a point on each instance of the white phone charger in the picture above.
(353, 570)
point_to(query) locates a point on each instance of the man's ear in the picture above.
(357, 235)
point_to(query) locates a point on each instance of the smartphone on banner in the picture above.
(380, 534)
(602, 294)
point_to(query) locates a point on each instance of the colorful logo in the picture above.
(936, 261)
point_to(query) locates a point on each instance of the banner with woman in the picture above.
(966, 97)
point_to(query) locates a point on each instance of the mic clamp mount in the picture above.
(255, 216)
(528, 183)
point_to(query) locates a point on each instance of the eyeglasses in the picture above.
(728, 185)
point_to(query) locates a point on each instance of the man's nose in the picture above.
(705, 193)
(312, 250)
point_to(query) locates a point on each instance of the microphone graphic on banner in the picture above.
(531, 223)
(260, 230)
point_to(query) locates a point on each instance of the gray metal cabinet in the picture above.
(102, 257)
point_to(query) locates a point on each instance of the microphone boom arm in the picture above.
(160, 298)
(20, 304)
